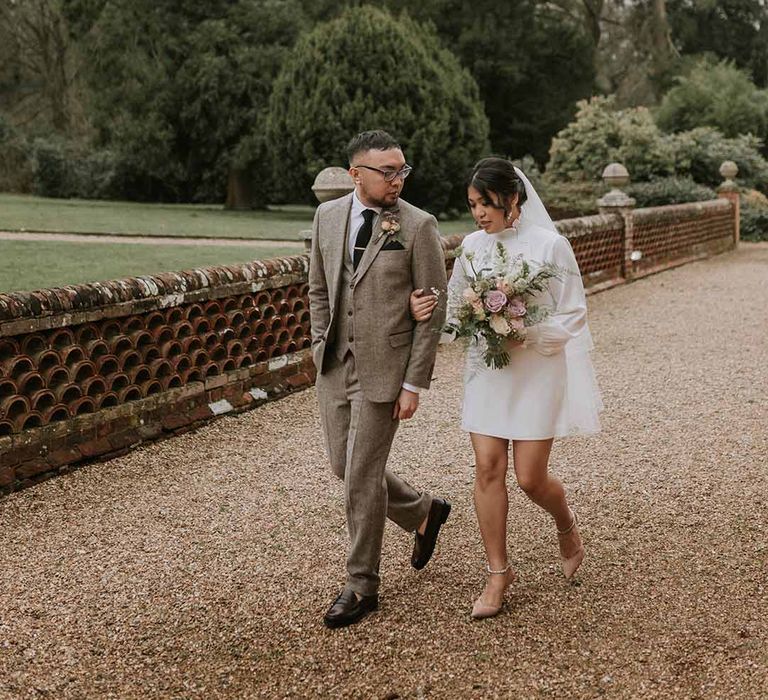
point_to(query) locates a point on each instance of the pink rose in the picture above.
(477, 307)
(516, 323)
(495, 301)
(471, 295)
(517, 308)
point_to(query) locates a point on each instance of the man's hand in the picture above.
(406, 405)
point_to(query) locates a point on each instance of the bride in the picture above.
(547, 390)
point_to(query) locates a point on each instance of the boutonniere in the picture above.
(390, 226)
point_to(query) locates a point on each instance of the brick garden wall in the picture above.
(679, 233)
(90, 371)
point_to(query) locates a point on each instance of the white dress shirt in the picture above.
(355, 222)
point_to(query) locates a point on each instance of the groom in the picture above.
(370, 250)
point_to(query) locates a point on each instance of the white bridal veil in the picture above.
(534, 212)
(583, 402)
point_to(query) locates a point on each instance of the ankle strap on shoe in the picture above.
(570, 527)
(500, 571)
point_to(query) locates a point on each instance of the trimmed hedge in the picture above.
(669, 190)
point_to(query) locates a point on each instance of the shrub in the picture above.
(413, 88)
(602, 134)
(754, 216)
(15, 165)
(718, 95)
(65, 169)
(54, 171)
(566, 200)
(699, 153)
(669, 190)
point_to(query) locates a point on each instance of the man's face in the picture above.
(369, 170)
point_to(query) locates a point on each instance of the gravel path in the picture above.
(145, 239)
(200, 567)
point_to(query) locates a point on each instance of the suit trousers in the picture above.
(358, 436)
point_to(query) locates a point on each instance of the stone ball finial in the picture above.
(615, 175)
(332, 183)
(729, 169)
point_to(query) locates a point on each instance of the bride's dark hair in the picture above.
(497, 175)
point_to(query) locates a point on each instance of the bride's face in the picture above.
(489, 215)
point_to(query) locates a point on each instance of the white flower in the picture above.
(499, 324)
(520, 286)
(515, 267)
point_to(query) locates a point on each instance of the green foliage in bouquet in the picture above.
(495, 306)
(370, 70)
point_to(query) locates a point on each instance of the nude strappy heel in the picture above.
(572, 563)
(481, 609)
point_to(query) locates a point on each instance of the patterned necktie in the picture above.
(363, 236)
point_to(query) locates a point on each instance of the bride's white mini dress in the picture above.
(548, 389)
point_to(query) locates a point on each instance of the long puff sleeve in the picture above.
(456, 285)
(569, 317)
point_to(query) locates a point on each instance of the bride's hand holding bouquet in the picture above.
(497, 305)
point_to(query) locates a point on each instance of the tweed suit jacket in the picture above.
(389, 347)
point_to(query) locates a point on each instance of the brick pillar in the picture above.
(730, 190)
(615, 175)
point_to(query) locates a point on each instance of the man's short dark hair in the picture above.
(376, 140)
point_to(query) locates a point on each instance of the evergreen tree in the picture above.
(367, 70)
(531, 60)
(730, 29)
(180, 91)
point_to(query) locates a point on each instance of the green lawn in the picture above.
(29, 265)
(23, 212)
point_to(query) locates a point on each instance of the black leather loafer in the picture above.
(424, 545)
(348, 608)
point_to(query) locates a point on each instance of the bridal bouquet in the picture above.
(496, 306)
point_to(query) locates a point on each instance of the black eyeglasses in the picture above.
(389, 175)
